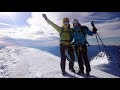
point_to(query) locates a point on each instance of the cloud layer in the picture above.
(108, 24)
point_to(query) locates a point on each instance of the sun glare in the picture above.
(7, 13)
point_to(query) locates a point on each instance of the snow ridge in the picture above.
(24, 62)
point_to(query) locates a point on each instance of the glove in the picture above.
(94, 29)
(45, 17)
(92, 23)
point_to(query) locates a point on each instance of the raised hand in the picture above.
(45, 17)
(94, 28)
(92, 23)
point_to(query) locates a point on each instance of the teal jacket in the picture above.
(79, 35)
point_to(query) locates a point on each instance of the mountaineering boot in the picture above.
(62, 64)
(63, 73)
(71, 65)
(80, 72)
(87, 73)
(72, 70)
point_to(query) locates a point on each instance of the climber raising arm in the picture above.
(55, 26)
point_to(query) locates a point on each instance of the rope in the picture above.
(80, 48)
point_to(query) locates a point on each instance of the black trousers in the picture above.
(81, 52)
(63, 49)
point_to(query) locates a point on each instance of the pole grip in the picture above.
(92, 23)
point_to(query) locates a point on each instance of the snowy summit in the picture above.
(24, 62)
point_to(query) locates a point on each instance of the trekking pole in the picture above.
(96, 36)
(100, 40)
(103, 44)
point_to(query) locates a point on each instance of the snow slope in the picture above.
(23, 62)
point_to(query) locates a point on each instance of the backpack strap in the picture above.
(82, 30)
(63, 30)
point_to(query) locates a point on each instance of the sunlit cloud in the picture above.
(38, 29)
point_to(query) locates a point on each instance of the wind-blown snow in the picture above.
(23, 62)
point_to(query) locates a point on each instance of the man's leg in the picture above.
(86, 61)
(63, 58)
(80, 61)
(72, 58)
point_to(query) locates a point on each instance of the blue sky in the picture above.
(32, 27)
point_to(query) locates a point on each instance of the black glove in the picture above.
(45, 17)
(94, 29)
(92, 23)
